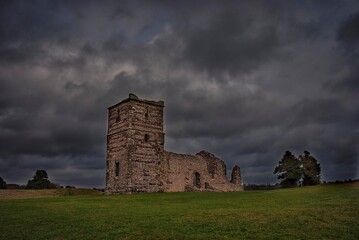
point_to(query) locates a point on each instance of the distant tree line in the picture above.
(341, 181)
(39, 181)
(293, 171)
(251, 186)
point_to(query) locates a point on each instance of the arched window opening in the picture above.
(197, 179)
(117, 169)
(147, 137)
(146, 113)
(118, 117)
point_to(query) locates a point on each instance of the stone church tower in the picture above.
(135, 145)
(137, 162)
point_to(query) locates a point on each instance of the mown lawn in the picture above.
(321, 212)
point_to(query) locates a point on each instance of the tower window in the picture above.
(117, 169)
(147, 137)
(146, 113)
(162, 137)
(118, 118)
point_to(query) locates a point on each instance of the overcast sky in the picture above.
(245, 80)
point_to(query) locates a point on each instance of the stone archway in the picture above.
(197, 180)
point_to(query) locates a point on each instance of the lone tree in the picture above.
(40, 181)
(289, 170)
(2, 183)
(311, 169)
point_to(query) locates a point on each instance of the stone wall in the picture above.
(135, 146)
(136, 160)
(200, 172)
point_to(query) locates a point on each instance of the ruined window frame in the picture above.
(197, 179)
(162, 139)
(118, 116)
(147, 137)
(146, 113)
(117, 169)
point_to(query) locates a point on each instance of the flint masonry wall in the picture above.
(136, 160)
(200, 172)
(135, 147)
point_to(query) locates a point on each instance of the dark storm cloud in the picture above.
(231, 40)
(318, 111)
(246, 80)
(348, 37)
(348, 33)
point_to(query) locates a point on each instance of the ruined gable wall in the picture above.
(217, 168)
(182, 169)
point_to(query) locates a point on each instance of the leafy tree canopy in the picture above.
(289, 170)
(311, 169)
(40, 181)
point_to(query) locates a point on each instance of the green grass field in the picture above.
(320, 212)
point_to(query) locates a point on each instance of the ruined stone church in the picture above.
(137, 162)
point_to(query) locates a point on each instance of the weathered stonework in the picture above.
(137, 162)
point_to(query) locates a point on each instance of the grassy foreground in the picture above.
(320, 212)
